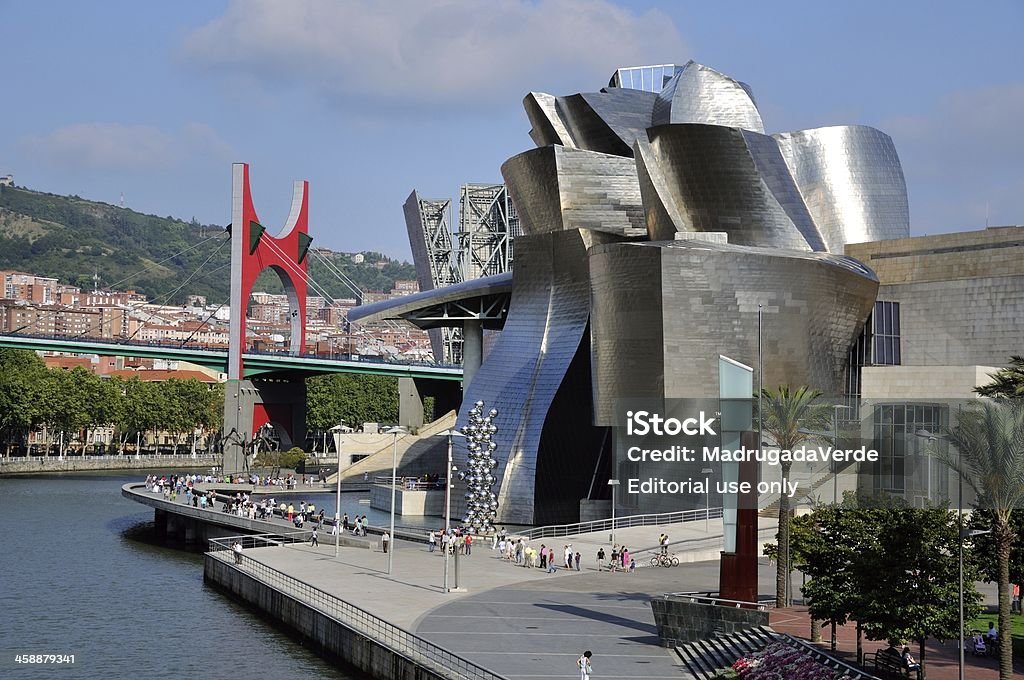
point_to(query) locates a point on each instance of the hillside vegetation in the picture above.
(71, 239)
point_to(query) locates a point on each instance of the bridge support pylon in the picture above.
(249, 404)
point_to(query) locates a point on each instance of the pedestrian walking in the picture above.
(577, 557)
(583, 663)
(432, 540)
(313, 542)
(600, 559)
(469, 544)
(385, 540)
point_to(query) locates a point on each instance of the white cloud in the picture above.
(456, 52)
(125, 148)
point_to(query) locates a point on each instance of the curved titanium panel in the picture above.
(775, 174)
(529, 360)
(626, 112)
(715, 180)
(547, 126)
(662, 214)
(690, 301)
(851, 181)
(588, 130)
(556, 189)
(699, 94)
(605, 122)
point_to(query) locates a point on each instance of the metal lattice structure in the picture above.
(488, 223)
(428, 222)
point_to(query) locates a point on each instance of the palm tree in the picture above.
(989, 437)
(1006, 382)
(785, 413)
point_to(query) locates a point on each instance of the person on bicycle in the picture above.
(663, 542)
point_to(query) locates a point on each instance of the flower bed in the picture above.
(779, 661)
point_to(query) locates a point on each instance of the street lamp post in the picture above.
(707, 500)
(613, 483)
(962, 534)
(394, 482)
(835, 445)
(337, 503)
(448, 502)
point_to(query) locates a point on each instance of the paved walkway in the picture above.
(519, 622)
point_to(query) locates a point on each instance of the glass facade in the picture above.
(649, 78)
(904, 465)
(878, 345)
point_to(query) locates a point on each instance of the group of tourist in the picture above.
(516, 551)
(452, 540)
(357, 527)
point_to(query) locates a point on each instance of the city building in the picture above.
(664, 235)
(950, 312)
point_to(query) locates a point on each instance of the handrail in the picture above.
(111, 457)
(404, 483)
(556, 530)
(434, 657)
(711, 597)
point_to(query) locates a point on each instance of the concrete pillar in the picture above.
(472, 350)
(410, 405)
(239, 399)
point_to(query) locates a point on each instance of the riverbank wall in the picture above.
(30, 465)
(328, 636)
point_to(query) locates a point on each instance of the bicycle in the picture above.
(664, 561)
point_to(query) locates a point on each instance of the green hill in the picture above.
(71, 239)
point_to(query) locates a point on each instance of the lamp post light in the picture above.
(448, 502)
(613, 483)
(337, 503)
(962, 534)
(707, 501)
(395, 431)
(835, 445)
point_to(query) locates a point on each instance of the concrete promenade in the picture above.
(526, 623)
(515, 621)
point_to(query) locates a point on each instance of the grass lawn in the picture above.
(1017, 629)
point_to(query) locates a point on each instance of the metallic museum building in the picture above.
(657, 217)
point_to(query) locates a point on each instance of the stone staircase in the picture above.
(703, 658)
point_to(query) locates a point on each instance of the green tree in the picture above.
(985, 545)
(20, 373)
(1006, 382)
(912, 578)
(785, 413)
(989, 437)
(350, 398)
(65, 402)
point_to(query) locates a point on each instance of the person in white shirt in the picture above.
(583, 663)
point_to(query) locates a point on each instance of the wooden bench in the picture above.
(890, 662)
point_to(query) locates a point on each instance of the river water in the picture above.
(82, 575)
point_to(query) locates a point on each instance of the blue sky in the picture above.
(370, 100)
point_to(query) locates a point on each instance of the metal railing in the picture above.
(828, 660)
(411, 483)
(712, 598)
(258, 540)
(402, 642)
(557, 530)
(111, 458)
